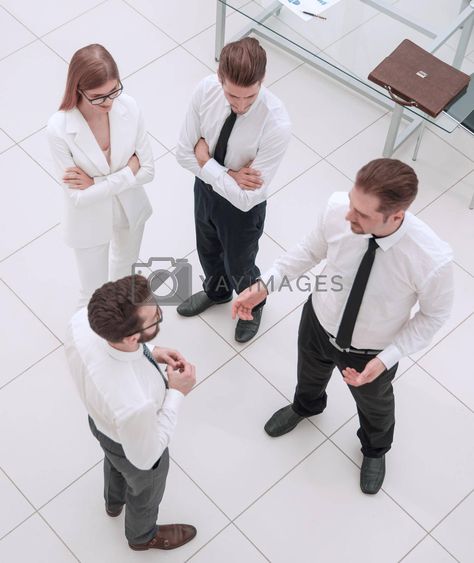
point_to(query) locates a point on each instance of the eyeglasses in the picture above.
(100, 100)
(159, 315)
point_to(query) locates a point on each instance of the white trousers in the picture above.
(107, 262)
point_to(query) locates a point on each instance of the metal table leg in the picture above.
(220, 28)
(393, 131)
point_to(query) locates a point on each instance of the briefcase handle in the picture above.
(398, 99)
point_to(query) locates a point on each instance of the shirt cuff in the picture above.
(173, 399)
(272, 279)
(390, 356)
(211, 171)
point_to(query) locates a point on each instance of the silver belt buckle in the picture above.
(332, 340)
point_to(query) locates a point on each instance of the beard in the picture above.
(147, 337)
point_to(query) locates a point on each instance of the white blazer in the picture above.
(88, 214)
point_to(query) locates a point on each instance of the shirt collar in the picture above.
(385, 243)
(123, 356)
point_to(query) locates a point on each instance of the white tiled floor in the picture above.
(252, 498)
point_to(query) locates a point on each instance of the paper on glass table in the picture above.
(313, 6)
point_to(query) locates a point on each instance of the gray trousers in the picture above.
(140, 490)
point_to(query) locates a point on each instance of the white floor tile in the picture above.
(298, 158)
(431, 447)
(449, 362)
(324, 113)
(93, 536)
(164, 94)
(34, 541)
(158, 149)
(207, 352)
(37, 147)
(456, 532)
(38, 206)
(279, 304)
(450, 217)
(181, 20)
(226, 414)
(461, 139)
(18, 353)
(51, 289)
(15, 508)
(301, 202)
(42, 408)
(438, 165)
(229, 546)
(428, 551)
(5, 142)
(322, 494)
(463, 306)
(93, 27)
(170, 230)
(39, 66)
(41, 17)
(14, 34)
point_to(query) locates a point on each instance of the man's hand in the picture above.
(247, 178)
(169, 356)
(247, 300)
(183, 380)
(201, 151)
(77, 179)
(371, 371)
(134, 164)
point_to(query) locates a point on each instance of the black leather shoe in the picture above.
(372, 474)
(246, 330)
(197, 304)
(113, 513)
(282, 422)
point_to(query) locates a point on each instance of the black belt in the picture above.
(350, 350)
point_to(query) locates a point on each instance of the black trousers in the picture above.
(140, 490)
(317, 358)
(227, 242)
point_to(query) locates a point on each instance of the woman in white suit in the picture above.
(103, 157)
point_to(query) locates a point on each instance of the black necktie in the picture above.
(152, 360)
(349, 317)
(221, 145)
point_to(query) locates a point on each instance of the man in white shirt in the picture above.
(247, 130)
(380, 261)
(132, 407)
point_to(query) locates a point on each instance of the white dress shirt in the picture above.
(123, 393)
(260, 136)
(411, 266)
(117, 198)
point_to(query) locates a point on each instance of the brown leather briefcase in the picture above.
(414, 77)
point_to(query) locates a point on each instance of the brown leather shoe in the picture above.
(113, 513)
(169, 536)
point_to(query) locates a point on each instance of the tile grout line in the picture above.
(32, 312)
(32, 366)
(73, 482)
(431, 349)
(421, 541)
(28, 243)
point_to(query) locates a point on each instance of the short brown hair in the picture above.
(113, 308)
(242, 62)
(90, 67)
(392, 181)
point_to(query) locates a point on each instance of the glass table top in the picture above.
(352, 40)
